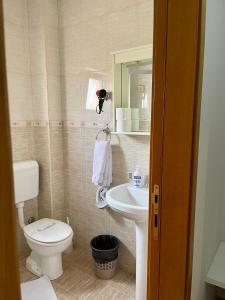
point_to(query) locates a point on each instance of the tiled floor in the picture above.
(79, 281)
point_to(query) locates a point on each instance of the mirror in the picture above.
(133, 90)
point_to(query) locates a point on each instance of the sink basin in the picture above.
(129, 201)
(133, 203)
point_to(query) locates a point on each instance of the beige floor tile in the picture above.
(80, 283)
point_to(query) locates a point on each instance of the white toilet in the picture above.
(47, 238)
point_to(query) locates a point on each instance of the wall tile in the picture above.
(16, 12)
(70, 50)
(43, 12)
(42, 155)
(58, 195)
(37, 50)
(17, 54)
(145, 26)
(20, 96)
(22, 143)
(52, 51)
(40, 97)
(71, 96)
(69, 12)
(54, 97)
(92, 35)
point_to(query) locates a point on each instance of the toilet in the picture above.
(47, 238)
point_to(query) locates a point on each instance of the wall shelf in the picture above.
(216, 273)
(132, 133)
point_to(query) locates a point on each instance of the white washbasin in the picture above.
(131, 202)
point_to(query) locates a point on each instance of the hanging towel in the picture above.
(102, 163)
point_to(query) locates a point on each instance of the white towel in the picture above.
(39, 289)
(102, 163)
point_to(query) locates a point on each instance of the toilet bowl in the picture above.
(48, 239)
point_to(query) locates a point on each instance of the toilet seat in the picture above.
(47, 231)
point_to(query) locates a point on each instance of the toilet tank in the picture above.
(26, 180)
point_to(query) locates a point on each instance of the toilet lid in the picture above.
(48, 231)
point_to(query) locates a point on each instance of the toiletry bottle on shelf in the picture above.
(137, 177)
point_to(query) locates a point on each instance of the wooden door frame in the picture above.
(9, 270)
(175, 114)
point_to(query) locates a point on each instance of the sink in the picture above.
(129, 201)
(133, 203)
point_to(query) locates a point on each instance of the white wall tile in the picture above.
(20, 96)
(71, 96)
(37, 50)
(40, 97)
(42, 12)
(16, 12)
(54, 97)
(52, 51)
(70, 41)
(17, 46)
(69, 12)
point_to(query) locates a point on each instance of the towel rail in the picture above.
(106, 131)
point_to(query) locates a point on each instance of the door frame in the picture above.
(175, 119)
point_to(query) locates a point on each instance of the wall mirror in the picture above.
(132, 90)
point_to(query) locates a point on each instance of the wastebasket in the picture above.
(105, 254)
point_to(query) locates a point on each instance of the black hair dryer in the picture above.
(102, 96)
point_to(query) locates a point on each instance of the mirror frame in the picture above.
(125, 56)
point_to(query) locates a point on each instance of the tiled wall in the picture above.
(89, 32)
(18, 59)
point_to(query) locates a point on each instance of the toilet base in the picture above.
(45, 265)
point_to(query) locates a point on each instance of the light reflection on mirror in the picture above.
(137, 89)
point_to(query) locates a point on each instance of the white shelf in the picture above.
(132, 133)
(216, 273)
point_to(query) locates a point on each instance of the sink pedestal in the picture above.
(133, 203)
(141, 260)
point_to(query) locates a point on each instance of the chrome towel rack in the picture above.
(106, 131)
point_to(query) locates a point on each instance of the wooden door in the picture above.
(174, 115)
(9, 277)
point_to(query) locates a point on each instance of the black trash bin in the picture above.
(105, 254)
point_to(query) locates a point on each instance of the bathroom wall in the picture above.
(210, 200)
(89, 32)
